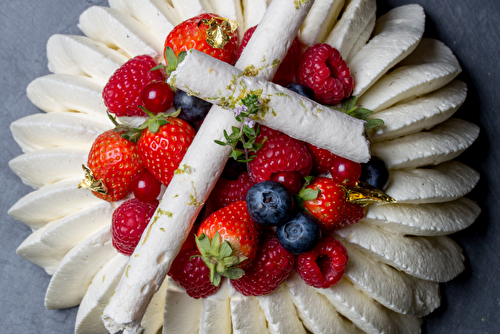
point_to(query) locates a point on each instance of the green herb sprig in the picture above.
(245, 134)
(349, 107)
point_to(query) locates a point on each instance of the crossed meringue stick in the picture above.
(182, 201)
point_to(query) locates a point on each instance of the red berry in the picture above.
(157, 97)
(291, 180)
(163, 150)
(128, 222)
(322, 159)
(115, 161)
(271, 268)
(323, 70)
(287, 68)
(146, 187)
(192, 34)
(344, 171)
(192, 274)
(280, 154)
(122, 93)
(331, 207)
(234, 225)
(266, 132)
(230, 191)
(324, 265)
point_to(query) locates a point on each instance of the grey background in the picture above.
(470, 303)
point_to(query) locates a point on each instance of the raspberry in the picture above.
(192, 273)
(324, 265)
(229, 191)
(128, 223)
(287, 68)
(271, 267)
(122, 93)
(266, 132)
(322, 159)
(323, 69)
(280, 154)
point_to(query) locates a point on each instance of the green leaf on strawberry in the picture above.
(218, 258)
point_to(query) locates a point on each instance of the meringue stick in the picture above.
(280, 109)
(196, 176)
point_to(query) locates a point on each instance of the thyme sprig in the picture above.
(247, 134)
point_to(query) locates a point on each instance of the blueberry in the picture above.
(375, 173)
(193, 109)
(302, 90)
(299, 235)
(269, 203)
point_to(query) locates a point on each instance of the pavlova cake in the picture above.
(335, 218)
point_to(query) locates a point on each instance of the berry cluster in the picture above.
(268, 218)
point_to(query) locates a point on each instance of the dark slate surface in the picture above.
(471, 302)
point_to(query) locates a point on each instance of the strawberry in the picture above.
(128, 222)
(122, 93)
(228, 241)
(114, 161)
(163, 144)
(330, 205)
(194, 33)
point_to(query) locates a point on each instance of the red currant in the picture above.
(146, 187)
(345, 171)
(291, 180)
(157, 97)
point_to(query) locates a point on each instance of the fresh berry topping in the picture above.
(228, 240)
(344, 171)
(189, 270)
(229, 191)
(330, 206)
(322, 159)
(280, 153)
(163, 150)
(375, 173)
(323, 69)
(268, 133)
(287, 68)
(193, 109)
(145, 186)
(291, 180)
(128, 222)
(302, 90)
(157, 97)
(300, 234)
(271, 268)
(269, 203)
(115, 161)
(192, 34)
(324, 265)
(122, 93)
